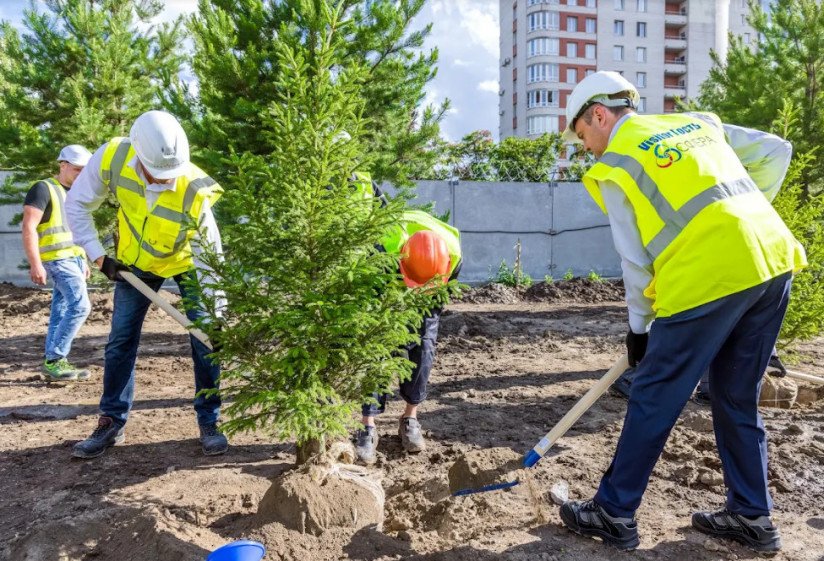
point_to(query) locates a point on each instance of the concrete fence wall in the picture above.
(559, 227)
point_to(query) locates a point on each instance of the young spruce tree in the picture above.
(316, 314)
(236, 62)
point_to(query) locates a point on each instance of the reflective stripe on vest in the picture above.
(674, 220)
(415, 220)
(156, 240)
(54, 237)
(708, 229)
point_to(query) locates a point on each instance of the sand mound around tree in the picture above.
(478, 468)
(322, 496)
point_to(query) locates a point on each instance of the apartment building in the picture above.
(662, 46)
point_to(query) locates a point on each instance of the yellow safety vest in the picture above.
(362, 184)
(155, 240)
(415, 220)
(55, 238)
(708, 228)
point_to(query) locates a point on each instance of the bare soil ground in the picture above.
(506, 372)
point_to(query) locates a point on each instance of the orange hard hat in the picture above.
(423, 257)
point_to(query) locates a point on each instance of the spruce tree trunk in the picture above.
(306, 450)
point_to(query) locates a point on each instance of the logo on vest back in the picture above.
(665, 155)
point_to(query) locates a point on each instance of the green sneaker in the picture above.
(62, 370)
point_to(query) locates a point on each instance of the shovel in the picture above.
(805, 377)
(583, 405)
(164, 305)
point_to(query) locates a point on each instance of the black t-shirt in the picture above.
(39, 196)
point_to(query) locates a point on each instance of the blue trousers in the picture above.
(733, 337)
(70, 305)
(413, 390)
(130, 307)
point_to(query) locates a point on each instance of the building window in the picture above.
(619, 5)
(542, 98)
(618, 27)
(547, 72)
(536, 2)
(542, 46)
(743, 19)
(641, 29)
(591, 3)
(572, 23)
(590, 71)
(641, 54)
(617, 52)
(641, 79)
(541, 124)
(572, 50)
(746, 38)
(543, 20)
(590, 25)
(589, 51)
(642, 5)
(572, 2)
(642, 105)
(572, 76)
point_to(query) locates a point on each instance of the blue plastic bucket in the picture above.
(241, 550)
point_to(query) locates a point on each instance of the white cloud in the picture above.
(489, 86)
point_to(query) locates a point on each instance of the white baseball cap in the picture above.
(75, 154)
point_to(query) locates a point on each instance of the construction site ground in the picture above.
(509, 365)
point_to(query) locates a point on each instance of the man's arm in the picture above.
(636, 262)
(208, 235)
(765, 156)
(31, 243)
(86, 195)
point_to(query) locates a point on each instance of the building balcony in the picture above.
(676, 42)
(675, 18)
(675, 65)
(675, 91)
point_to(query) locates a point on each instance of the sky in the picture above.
(466, 34)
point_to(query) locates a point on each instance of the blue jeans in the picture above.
(413, 390)
(130, 308)
(70, 305)
(733, 337)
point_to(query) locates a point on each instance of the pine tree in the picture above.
(236, 63)
(82, 71)
(316, 314)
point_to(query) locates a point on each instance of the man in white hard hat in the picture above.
(51, 251)
(164, 220)
(707, 258)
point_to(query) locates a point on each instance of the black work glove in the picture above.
(112, 267)
(636, 347)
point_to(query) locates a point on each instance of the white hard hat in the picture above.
(160, 144)
(597, 87)
(75, 154)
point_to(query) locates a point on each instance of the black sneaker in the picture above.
(589, 519)
(107, 433)
(758, 534)
(412, 439)
(775, 367)
(212, 441)
(366, 445)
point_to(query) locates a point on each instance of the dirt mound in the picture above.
(576, 290)
(115, 533)
(493, 293)
(317, 498)
(479, 468)
(15, 300)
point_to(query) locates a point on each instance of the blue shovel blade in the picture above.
(485, 488)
